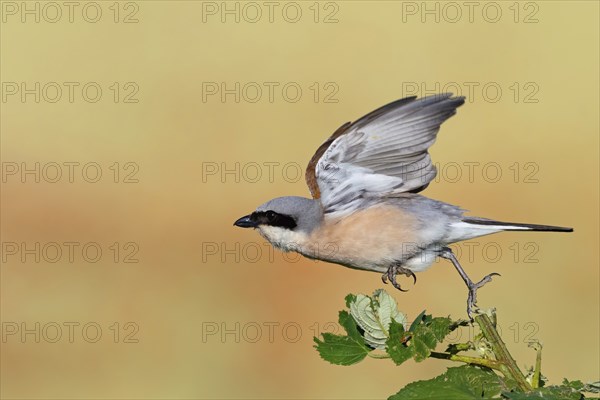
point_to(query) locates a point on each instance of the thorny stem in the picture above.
(508, 366)
(452, 357)
(504, 362)
(484, 362)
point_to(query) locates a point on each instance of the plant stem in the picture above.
(469, 360)
(537, 372)
(376, 354)
(507, 364)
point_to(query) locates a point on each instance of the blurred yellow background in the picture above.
(196, 112)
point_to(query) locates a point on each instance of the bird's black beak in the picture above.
(245, 222)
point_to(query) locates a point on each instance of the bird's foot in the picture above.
(393, 272)
(472, 298)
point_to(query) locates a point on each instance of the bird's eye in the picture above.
(271, 216)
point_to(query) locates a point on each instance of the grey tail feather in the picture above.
(515, 226)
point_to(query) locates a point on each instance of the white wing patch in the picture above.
(343, 184)
(385, 154)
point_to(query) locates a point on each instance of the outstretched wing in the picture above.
(382, 153)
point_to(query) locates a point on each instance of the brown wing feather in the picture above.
(311, 173)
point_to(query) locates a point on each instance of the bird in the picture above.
(366, 210)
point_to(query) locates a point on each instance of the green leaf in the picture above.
(428, 334)
(441, 327)
(374, 322)
(577, 385)
(424, 335)
(349, 325)
(546, 393)
(374, 315)
(343, 350)
(569, 390)
(395, 346)
(351, 298)
(417, 321)
(591, 387)
(340, 350)
(423, 341)
(465, 382)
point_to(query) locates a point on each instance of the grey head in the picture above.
(289, 212)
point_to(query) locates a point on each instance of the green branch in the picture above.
(508, 366)
(484, 362)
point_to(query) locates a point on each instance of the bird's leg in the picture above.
(395, 270)
(473, 287)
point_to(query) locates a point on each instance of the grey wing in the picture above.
(383, 153)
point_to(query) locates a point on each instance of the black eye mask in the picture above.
(272, 218)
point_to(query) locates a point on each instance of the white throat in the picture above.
(284, 239)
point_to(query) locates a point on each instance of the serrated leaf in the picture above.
(546, 393)
(374, 315)
(395, 347)
(365, 316)
(340, 350)
(577, 385)
(425, 334)
(423, 340)
(441, 327)
(349, 325)
(343, 350)
(460, 383)
(351, 298)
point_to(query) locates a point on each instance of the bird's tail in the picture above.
(512, 226)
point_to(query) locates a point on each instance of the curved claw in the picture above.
(486, 279)
(384, 278)
(413, 276)
(393, 272)
(492, 274)
(397, 285)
